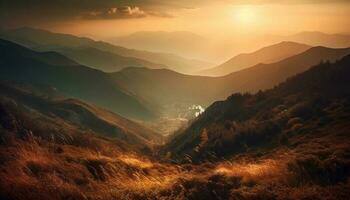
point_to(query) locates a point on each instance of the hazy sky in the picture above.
(220, 18)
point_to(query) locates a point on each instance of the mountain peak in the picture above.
(268, 54)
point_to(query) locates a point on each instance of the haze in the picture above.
(229, 27)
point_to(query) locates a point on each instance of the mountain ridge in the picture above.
(24, 65)
(45, 40)
(268, 54)
(165, 88)
(242, 122)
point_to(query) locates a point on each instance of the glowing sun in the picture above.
(245, 15)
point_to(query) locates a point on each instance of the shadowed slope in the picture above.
(164, 88)
(47, 106)
(311, 102)
(47, 41)
(20, 64)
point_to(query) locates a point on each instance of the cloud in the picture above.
(124, 12)
(49, 11)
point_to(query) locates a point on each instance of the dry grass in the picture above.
(35, 168)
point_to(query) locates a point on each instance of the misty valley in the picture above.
(161, 116)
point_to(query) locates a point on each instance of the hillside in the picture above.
(104, 60)
(23, 65)
(173, 92)
(165, 90)
(290, 142)
(68, 149)
(311, 106)
(47, 107)
(265, 76)
(266, 55)
(46, 41)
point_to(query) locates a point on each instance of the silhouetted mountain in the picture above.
(23, 65)
(163, 89)
(266, 55)
(265, 76)
(181, 43)
(104, 60)
(47, 41)
(321, 39)
(312, 105)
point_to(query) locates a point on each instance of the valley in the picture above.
(85, 119)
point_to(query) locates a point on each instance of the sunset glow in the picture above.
(174, 99)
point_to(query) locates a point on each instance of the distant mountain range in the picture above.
(215, 49)
(266, 55)
(104, 60)
(107, 57)
(163, 89)
(182, 43)
(142, 93)
(299, 111)
(320, 39)
(20, 64)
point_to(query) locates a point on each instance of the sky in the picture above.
(106, 18)
(231, 26)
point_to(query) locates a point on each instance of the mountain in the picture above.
(104, 60)
(58, 148)
(290, 142)
(321, 39)
(181, 43)
(166, 91)
(174, 93)
(47, 41)
(309, 107)
(46, 105)
(20, 64)
(265, 76)
(266, 55)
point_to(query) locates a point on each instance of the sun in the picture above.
(245, 15)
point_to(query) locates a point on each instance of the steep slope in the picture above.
(265, 76)
(58, 149)
(314, 102)
(174, 92)
(20, 64)
(266, 55)
(167, 90)
(78, 114)
(45, 41)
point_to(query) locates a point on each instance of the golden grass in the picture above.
(265, 170)
(35, 169)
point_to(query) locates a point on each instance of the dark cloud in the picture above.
(44, 11)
